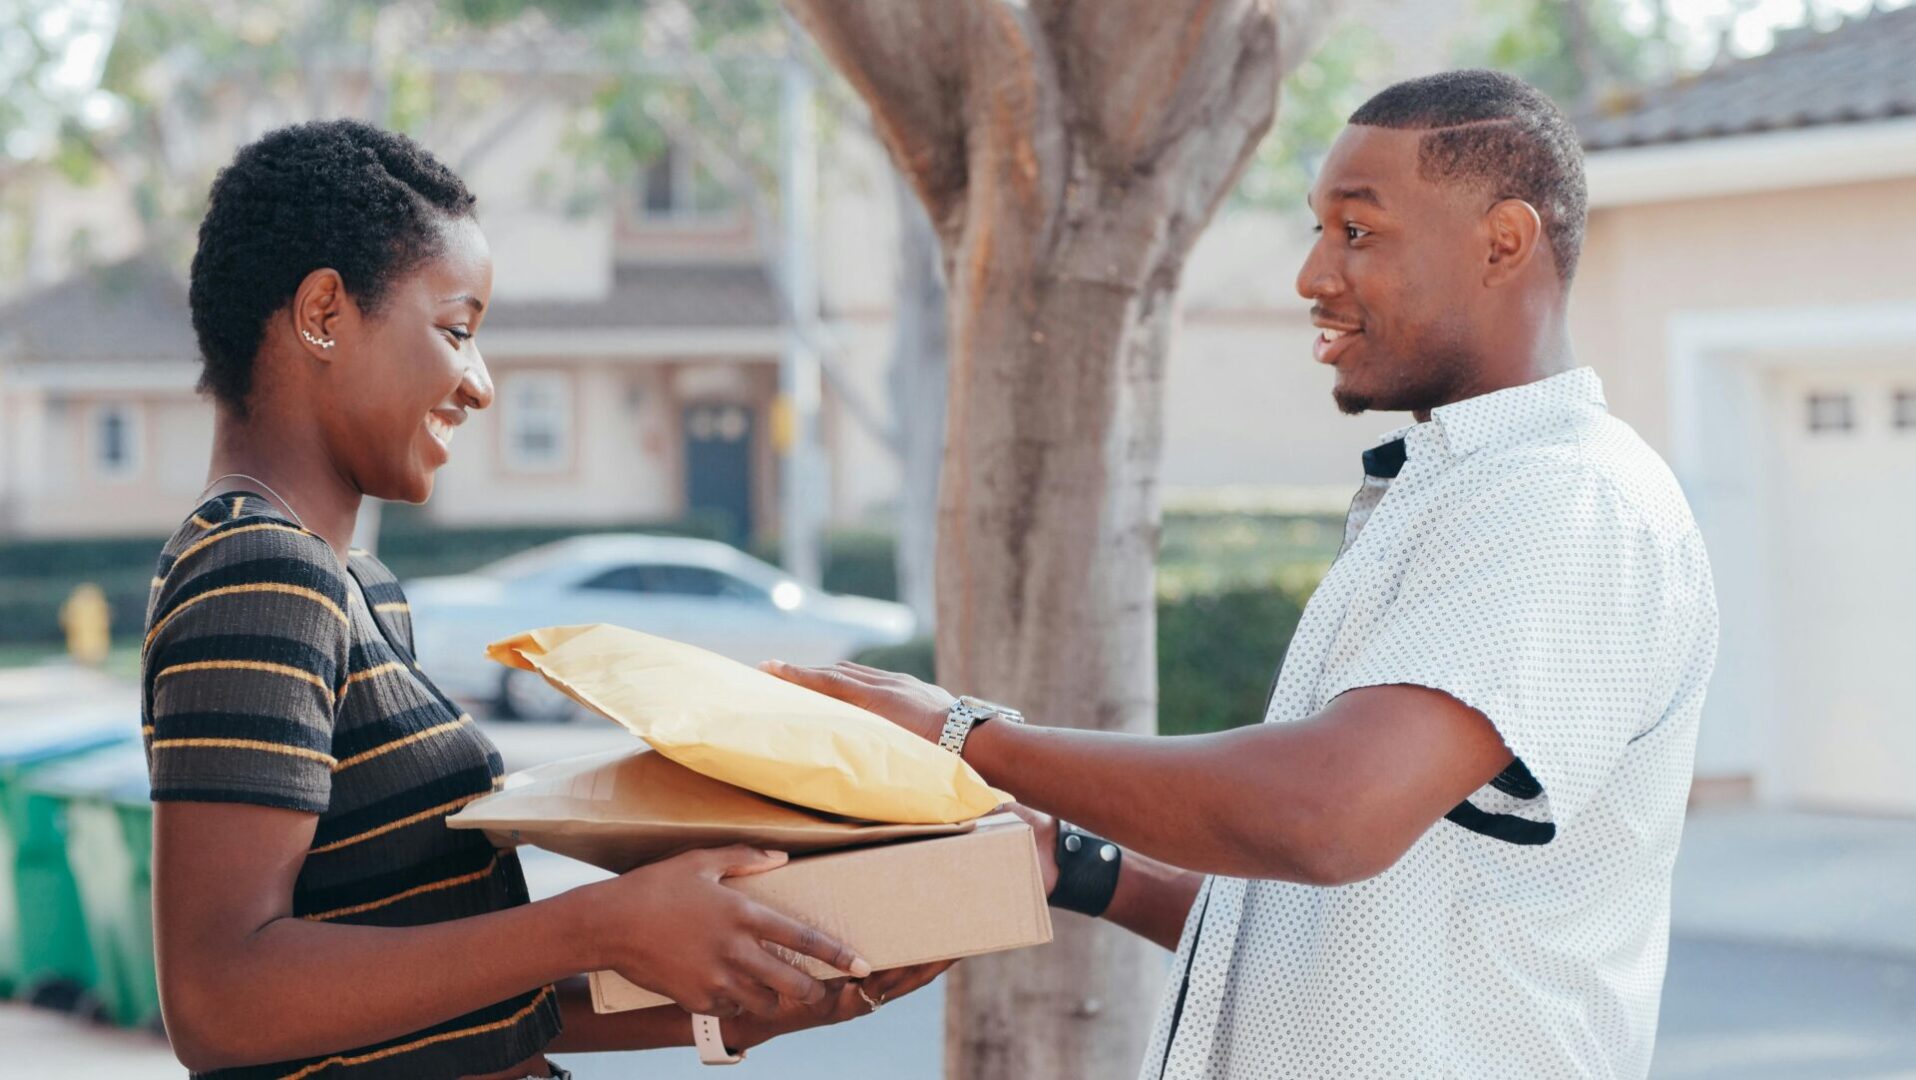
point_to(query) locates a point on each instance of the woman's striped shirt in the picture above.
(273, 675)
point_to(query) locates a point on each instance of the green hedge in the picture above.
(36, 577)
(1216, 655)
(412, 546)
(1232, 582)
(858, 562)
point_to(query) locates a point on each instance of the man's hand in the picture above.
(916, 706)
(842, 1001)
(1044, 831)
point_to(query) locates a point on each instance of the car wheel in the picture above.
(523, 695)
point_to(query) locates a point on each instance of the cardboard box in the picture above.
(901, 903)
(622, 808)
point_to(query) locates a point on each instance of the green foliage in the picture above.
(1217, 653)
(1215, 552)
(1232, 587)
(1316, 99)
(915, 658)
(36, 577)
(170, 58)
(858, 562)
(412, 546)
(1535, 39)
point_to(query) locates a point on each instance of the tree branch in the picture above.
(1138, 74)
(742, 174)
(908, 62)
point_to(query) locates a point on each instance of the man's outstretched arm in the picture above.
(1329, 800)
(1152, 899)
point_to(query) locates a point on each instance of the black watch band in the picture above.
(1087, 871)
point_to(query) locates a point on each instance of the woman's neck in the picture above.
(291, 460)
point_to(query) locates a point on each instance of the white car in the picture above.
(700, 592)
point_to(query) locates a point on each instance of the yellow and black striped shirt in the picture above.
(272, 675)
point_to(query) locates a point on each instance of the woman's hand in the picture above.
(842, 1001)
(916, 706)
(674, 928)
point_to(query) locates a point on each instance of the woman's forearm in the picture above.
(402, 979)
(589, 1032)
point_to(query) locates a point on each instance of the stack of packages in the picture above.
(895, 848)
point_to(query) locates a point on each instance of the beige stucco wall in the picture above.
(59, 491)
(1642, 265)
(1246, 408)
(621, 464)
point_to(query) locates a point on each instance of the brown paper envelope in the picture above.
(622, 808)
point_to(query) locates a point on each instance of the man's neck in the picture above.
(1549, 354)
(286, 455)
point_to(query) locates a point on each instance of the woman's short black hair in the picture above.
(329, 193)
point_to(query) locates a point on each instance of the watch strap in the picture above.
(958, 724)
(1088, 867)
(710, 1043)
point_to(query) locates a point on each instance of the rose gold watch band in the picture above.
(711, 1044)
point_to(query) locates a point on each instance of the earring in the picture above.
(324, 343)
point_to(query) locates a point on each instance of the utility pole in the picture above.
(796, 428)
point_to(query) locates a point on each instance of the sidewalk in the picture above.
(1819, 881)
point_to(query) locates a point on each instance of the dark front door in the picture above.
(718, 467)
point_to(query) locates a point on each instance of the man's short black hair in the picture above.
(1502, 133)
(330, 193)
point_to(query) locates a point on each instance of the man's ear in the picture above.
(320, 310)
(1515, 233)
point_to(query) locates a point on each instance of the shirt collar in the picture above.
(1489, 420)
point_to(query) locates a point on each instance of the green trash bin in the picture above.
(44, 953)
(100, 801)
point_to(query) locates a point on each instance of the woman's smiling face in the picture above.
(413, 371)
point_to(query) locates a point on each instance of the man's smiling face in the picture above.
(1395, 277)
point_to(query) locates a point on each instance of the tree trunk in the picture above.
(917, 376)
(1068, 154)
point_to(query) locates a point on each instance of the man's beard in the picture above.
(1438, 378)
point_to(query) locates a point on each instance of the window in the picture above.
(654, 579)
(537, 408)
(115, 436)
(1831, 413)
(677, 187)
(1904, 416)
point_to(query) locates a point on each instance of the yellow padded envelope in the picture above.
(735, 723)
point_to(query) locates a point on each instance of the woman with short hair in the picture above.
(314, 916)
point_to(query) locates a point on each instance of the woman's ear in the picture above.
(320, 310)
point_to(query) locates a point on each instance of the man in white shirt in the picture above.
(1447, 852)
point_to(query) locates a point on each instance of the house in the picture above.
(634, 340)
(1748, 290)
(100, 430)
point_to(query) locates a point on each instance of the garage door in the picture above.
(1844, 516)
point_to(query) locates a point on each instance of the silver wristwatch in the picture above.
(967, 713)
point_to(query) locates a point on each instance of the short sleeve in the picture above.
(1541, 603)
(246, 654)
